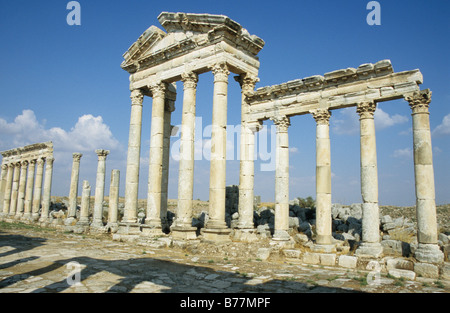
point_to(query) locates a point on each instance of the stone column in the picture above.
(113, 201)
(183, 224)
(3, 186)
(85, 202)
(169, 108)
(47, 189)
(37, 194)
(153, 216)
(323, 181)
(369, 182)
(247, 150)
(8, 188)
(133, 158)
(216, 228)
(428, 249)
(282, 179)
(73, 193)
(29, 190)
(15, 189)
(21, 194)
(99, 188)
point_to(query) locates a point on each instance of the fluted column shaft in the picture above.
(8, 189)
(29, 190)
(133, 158)
(114, 197)
(37, 194)
(323, 177)
(153, 216)
(85, 203)
(22, 185)
(217, 180)
(186, 168)
(3, 186)
(47, 188)
(99, 187)
(282, 179)
(73, 193)
(247, 150)
(15, 189)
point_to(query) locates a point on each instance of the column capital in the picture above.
(247, 82)
(77, 156)
(102, 154)
(49, 160)
(190, 80)
(33, 162)
(24, 163)
(137, 97)
(220, 71)
(254, 126)
(158, 90)
(40, 161)
(4, 167)
(419, 101)
(282, 123)
(366, 109)
(322, 116)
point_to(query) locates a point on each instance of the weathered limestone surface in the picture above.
(73, 193)
(99, 188)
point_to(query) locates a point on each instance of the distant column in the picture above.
(428, 249)
(46, 198)
(282, 179)
(323, 180)
(73, 193)
(21, 193)
(113, 200)
(15, 189)
(3, 186)
(99, 188)
(8, 188)
(29, 190)
(85, 203)
(369, 182)
(37, 194)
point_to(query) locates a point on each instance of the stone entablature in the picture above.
(28, 153)
(193, 43)
(335, 90)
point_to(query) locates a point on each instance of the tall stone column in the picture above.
(21, 193)
(99, 188)
(3, 186)
(247, 150)
(47, 189)
(282, 179)
(369, 182)
(323, 181)
(183, 224)
(73, 193)
(85, 203)
(153, 216)
(8, 189)
(113, 201)
(15, 189)
(133, 158)
(29, 190)
(169, 108)
(37, 194)
(428, 249)
(216, 228)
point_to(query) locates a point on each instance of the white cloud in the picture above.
(293, 150)
(403, 153)
(348, 123)
(444, 127)
(88, 134)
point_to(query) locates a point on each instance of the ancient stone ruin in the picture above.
(193, 44)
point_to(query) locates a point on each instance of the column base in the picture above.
(184, 233)
(429, 253)
(245, 235)
(126, 228)
(322, 248)
(216, 235)
(70, 221)
(370, 249)
(151, 231)
(281, 235)
(112, 227)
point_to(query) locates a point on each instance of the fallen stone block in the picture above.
(311, 258)
(291, 253)
(348, 261)
(397, 273)
(328, 259)
(426, 270)
(263, 253)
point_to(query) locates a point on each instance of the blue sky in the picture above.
(64, 83)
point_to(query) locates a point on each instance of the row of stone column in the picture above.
(424, 180)
(21, 188)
